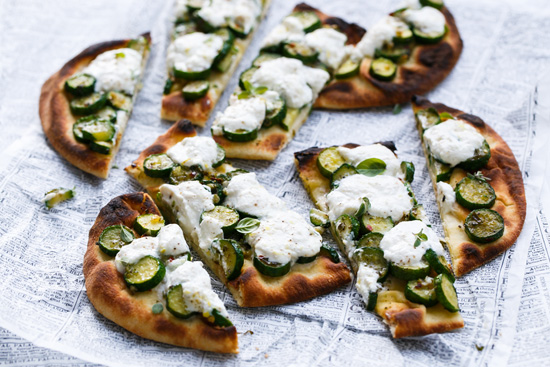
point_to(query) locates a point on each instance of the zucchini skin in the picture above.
(270, 270)
(476, 218)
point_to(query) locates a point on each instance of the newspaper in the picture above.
(45, 316)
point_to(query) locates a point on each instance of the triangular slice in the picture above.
(208, 41)
(139, 274)
(85, 106)
(265, 253)
(408, 52)
(363, 194)
(276, 94)
(477, 181)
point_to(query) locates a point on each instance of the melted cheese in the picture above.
(290, 30)
(330, 44)
(197, 150)
(116, 70)
(356, 155)
(193, 52)
(246, 114)
(446, 197)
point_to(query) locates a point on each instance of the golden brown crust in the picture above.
(403, 317)
(175, 107)
(507, 181)
(111, 297)
(250, 289)
(57, 119)
(425, 69)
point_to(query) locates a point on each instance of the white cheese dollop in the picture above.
(446, 196)
(289, 30)
(358, 154)
(247, 114)
(387, 195)
(296, 83)
(193, 52)
(283, 237)
(426, 19)
(243, 12)
(367, 281)
(453, 141)
(410, 4)
(330, 44)
(197, 150)
(209, 230)
(245, 194)
(380, 34)
(398, 243)
(116, 70)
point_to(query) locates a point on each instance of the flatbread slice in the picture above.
(135, 311)
(405, 318)
(58, 120)
(502, 173)
(273, 137)
(250, 288)
(425, 67)
(175, 105)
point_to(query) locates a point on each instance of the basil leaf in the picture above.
(157, 308)
(371, 167)
(397, 109)
(247, 225)
(126, 235)
(243, 95)
(260, 90)
(446, 116)
(247, 85)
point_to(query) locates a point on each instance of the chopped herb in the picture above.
(444, 116)
(480, 347)
(120, 55)
(397, 109)
(247, 225)
(479, 176)
(157, 308)
(420, 237)
(260, 90)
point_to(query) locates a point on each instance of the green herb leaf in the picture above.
(260, 90)
(420, 237)
(157, 308)
(397, 109)
(243, 95)
(126, 235)
(479, 176)
(446, 116)
(247, 85)
(371, 167)
(363, 208)
(120, 55)
(247, 225)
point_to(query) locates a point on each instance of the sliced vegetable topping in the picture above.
(158, 165)
(438, 264)
(220, 320)
(191, 75)
(148, 224)
(370, 240)
(88, 104)
(395, 53)
(168, 86)
(80, 85)
(264, 56)
(300, 51)
(421, 291)
(374, 258)
(276, 115)
(120, 101)
(370, 223)
(484, 225)
(175, 303)
(408, 170)
(310, 21)
(446, 293)
(373, 299)
(102, 147)
(107, 113)
(228, 40)
(113, 238)
(230, 256)
(55, 196)
(227, 217)
(329, 160)
(345, 170)
(473, 192)
(195, 90)
(428, 38)
(245, 77)
(406, 272)
(269, 268)
(417, 213)
(306, 259)
(347, 227)
(383, 69)
(318, 218)
(330, 253)
(240, 135)
(98, 130)
(348, 69)
(479, 160)
(180, 174)
(428, 118)
(438, 4)
(441, 171)
(146, 274)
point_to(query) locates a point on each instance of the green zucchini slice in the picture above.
(428, 118)
(438, 4)
(318, 218)
(108, 113)
(191, 75)
(484, 225)
(102, 147)
(300, 51)
(119, 101)
(80, 85)
(403, 35)
(346, 227)
(446, 293)
(237, 27)
(88, 104)
(224, 64)
(55, 196)
(276, 115)
(363, 208)
(371, 302)
(220, 320)
(329, 160)
(421, 291)
(180, 174)
(216, 189)
(383, 69)
(227, 217)
(374, 258)
(371, 239)
(370, 223)
(428, 38)
(396, 54)
(345, 170)
(479, 160)
(475, 193)
(98, 130)
(418, 213)
(146, 274)
(441, 171)
(158, 165)
(168, 86)
(439, 264)
(310, 21)
(306, 259)
(406, 272)
(244, 79)
(330, 252)
(408, 170)
(240, 135)
(264, 56)
(175, 303)
(78, 125)
(229, 255)
(195, 90)
(271, 269)
(228, 40)
(148, 224)
(220, 156)
(112, 239)
(348, 69)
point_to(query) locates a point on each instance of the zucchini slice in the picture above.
(148, 224)
(318, 218)
(108, 113)
(240, 135)
(180, 174)
(264, 56)
(310, 21)
(421, 291)
(80, 85)
(439, 264)
(428, 38)
(374, 258)
(300, 51)
(475, 193)
(191, 75)
(168, 86)
(175, 303)
(220, 156)
(408, 170)
(346, 227)
(438, 4)
(276, 115)
(88, 104)
(245, 77)
(428, 118)
(484, 225)
(348, 69)
(306, 259)
(407, 272)
(363, 208)
(119, 101)
(227, 217)
(370, 223)
(111, 239)
(373, 299)
(383, 69)
(268, 268)
(237, 27)
(329, 160)
(224, 64)
(418, 213)
(479, 160)
(229, 255)
(220, 320)
(446, 293)
(146, 274)
(228, 40)
(216, 189)
(396, 54)
(55, 196)
(345, 170)
(158, 165)
(403, 35)
(102, 147)
(330, 252)
(370, 240)
(442, 171)
(77, 128)
(195, 90)
(98, 130)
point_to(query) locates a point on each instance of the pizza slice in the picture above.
(477, 181)
(85, 106)
(208, 41)
(276, 94)
(363, 194)
(139, 274)
(265, 253)
(408, 52)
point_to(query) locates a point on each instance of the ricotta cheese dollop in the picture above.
(358, 154)
(330, 44)
(398, 243)
(453, 141)
(221, 13)
(426, 19)
(197, 150)
(241, 114)
(367, 281)
(289, 30)
(380, 34)
(193, 52)
(116, 70)
(446, 196)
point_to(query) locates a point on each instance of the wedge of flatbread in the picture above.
(477, 180)
(85, 106)
(146, 281)
(265, 253)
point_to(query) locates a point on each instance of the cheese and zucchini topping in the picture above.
(102, 95)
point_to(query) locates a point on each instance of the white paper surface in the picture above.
(45, 316)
